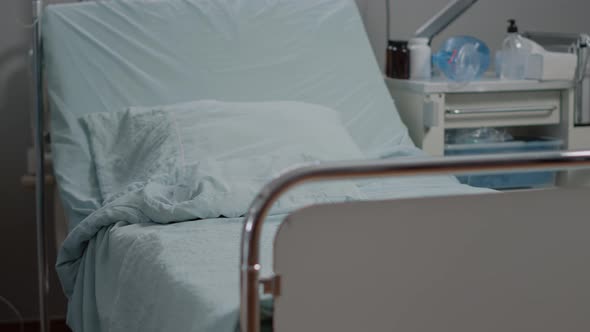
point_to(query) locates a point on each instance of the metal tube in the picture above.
(582, 51)
(250, 246)
(441, 20)
(388, 19)
(42, 267)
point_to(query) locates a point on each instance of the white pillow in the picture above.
(207, 159)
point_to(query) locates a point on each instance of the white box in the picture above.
(551, 66)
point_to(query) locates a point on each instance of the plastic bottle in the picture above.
(420, 59)
(463, 58)
(514, 55)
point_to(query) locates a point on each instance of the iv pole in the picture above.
(42, 269)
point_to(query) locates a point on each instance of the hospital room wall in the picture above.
(486, 19)
(18, 279)
(17, 228)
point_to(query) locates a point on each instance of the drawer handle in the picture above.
(475, 111)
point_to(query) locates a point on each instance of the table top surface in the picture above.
(486, 84)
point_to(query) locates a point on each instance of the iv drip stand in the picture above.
(42, 268)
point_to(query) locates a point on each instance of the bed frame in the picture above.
(292, 280)
(320, 273)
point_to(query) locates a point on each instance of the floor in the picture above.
(56, 326)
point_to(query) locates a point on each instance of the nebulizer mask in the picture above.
(462, 59)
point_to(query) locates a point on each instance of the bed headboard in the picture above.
(108, 55)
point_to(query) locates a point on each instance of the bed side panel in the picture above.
(513, 262)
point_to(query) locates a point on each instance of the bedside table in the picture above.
(525, 108)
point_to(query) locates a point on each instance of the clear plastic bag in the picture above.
(477, 135)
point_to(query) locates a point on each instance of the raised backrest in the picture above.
(108, 55)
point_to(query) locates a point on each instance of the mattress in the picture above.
(107, 55)
(185, 276)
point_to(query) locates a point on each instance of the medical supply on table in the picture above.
(534, 179)
(420, 59)
(543, 65)
(477, 135)
(515, 52)
(389, 59)
(540, 64)
(498, 63)
(578, 44)
(463, 58)
(551, 66)
(398, 59)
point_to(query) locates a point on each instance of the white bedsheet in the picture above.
(184, 276)
(108, 55)
(172, 164)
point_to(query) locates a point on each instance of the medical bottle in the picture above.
(389, 59)
(400, 59)
(420, 59)
(515, 51)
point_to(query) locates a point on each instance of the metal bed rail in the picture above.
(254, 220)
(37, 7)
(39, 125)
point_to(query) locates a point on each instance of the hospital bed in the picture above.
(172, 66)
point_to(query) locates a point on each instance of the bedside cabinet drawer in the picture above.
(502, 109)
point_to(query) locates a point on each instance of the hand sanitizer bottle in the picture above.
(515, 52)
